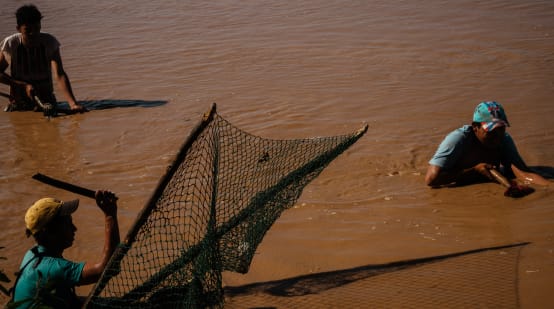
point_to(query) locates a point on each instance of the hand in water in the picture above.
(77, 108)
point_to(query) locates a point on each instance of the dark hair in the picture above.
(28, 14)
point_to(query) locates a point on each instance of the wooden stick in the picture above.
(65, 185)
(500, 178)
(512, 188)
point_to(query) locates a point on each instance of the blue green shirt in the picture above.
(459, 143)
(44, 269)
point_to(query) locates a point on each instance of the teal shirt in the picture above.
(457, 144)
(64, 273)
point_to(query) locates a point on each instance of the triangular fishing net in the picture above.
(208, 214)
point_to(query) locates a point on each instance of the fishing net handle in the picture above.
(172, 169)
(65, 185)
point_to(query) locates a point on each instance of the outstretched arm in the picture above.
(107, 201)
(4, 78)
(529, 177)
(10, 81)
(437, 177)
(521, 171)
(63, 82)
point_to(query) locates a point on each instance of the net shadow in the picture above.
(481, 278)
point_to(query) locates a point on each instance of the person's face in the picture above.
(63, 233)
(492, 139)
(29, 33)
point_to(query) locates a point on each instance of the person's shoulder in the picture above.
(60, 267)
(35, 252)
(508, 141)
(460, 133)
(465, 129)
(11, 41)
(457, 138)
(12, 37)
(48, 36)
(28, 255)
(49, 39)
(63, 263)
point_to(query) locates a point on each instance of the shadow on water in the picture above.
(112, 103)
(91, 105)
(320, 282)
(544, 171)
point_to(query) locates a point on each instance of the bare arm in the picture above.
(63, 81)
(4, 78)
(107, 201)
(10, 81)
(437, 177)
(529, 177)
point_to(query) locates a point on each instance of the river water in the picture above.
(413, 71)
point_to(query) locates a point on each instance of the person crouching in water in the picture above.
(468, 154)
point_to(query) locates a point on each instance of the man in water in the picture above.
(44, 272)
(33, 57)
(468, 154)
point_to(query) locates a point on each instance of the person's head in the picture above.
(49, 221)
(489, 123)
(28, 22)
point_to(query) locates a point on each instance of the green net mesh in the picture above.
(208, 214)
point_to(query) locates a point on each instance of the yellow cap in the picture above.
(46, 209)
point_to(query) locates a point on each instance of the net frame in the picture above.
(208, 250)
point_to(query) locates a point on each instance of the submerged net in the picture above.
(208, 214)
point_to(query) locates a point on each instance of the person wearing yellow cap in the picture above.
(468, 154)
(49, 221)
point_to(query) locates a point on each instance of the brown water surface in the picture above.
(412, 70)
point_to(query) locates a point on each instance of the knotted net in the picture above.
(208, 214)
